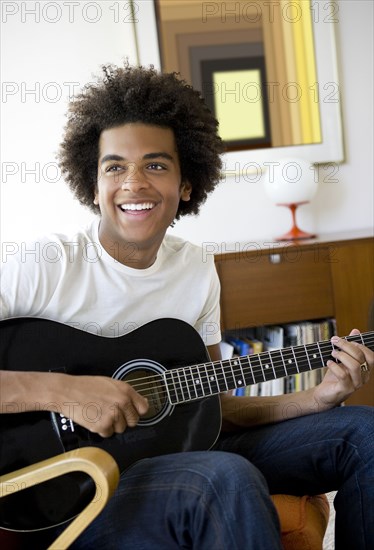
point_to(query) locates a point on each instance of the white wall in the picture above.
(52, 59)
(46, 57)
(241, 212)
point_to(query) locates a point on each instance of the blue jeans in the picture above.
(219, 500)
(318, 453)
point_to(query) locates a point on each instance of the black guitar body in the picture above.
(165, 360)
(28, 344)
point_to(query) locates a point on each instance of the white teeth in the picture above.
(143, 206)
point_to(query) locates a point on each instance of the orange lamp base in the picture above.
(295, 232)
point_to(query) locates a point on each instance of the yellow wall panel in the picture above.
(238, 106)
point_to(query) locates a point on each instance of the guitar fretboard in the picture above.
(197, 381)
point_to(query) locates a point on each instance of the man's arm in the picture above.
(98, 403)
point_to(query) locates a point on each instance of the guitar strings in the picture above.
(181, 387)
(297, 350)
(239, 370)
(227, 364)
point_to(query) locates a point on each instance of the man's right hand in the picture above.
(101, 404)
(98, 403)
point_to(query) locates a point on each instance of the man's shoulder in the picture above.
(51, 248)
(177, 245)
(80, 234)
(187, 255)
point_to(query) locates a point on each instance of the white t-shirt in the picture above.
(75, 281)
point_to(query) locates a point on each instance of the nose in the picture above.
(134, 179)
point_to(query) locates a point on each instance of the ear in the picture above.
(186, 190)
(96, 197)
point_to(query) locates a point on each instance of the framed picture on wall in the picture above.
(235, 91)
(270, 77)
(224, 62)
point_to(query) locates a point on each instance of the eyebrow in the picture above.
(147, 156)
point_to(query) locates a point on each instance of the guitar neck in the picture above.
(197, 381)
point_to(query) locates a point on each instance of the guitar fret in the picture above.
(319, 349)
(228, 374)
(180, 384)
(213, 378)
(272, 364)
(253, 381)
(289, 362)
(238, 378)
(170, 387)
(207, 377)
(277, 363)
(283, 364)
(237, 372)
(197, 382)
(294, 356)
(225, 388)
(178, 391)
(307, 356)
(314, 356)
(304, 358)
(231, 378)
(204, 379)
(193, 389)
(256, 369)
(262, 370)
(242, 372)
(265, 366)
(186, 381)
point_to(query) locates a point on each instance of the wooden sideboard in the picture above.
(274, 282)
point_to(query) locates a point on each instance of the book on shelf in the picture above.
(227, 350)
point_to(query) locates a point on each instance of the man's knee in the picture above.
(356, 420)
(231, 477)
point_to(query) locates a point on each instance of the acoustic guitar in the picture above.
(165, 361)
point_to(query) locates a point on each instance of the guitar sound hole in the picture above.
(151, 386)
(147, 378)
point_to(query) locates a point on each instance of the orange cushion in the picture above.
(303, 520)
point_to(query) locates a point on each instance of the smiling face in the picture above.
(138, 190)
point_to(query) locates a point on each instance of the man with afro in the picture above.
(141, 149)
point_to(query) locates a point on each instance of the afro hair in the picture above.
(136, 94)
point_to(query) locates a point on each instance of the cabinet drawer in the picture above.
(274, 288)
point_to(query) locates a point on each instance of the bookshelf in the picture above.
(270, 282)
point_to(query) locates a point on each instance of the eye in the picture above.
(114, 168)
(156, 166)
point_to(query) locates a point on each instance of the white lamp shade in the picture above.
(290, 181)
